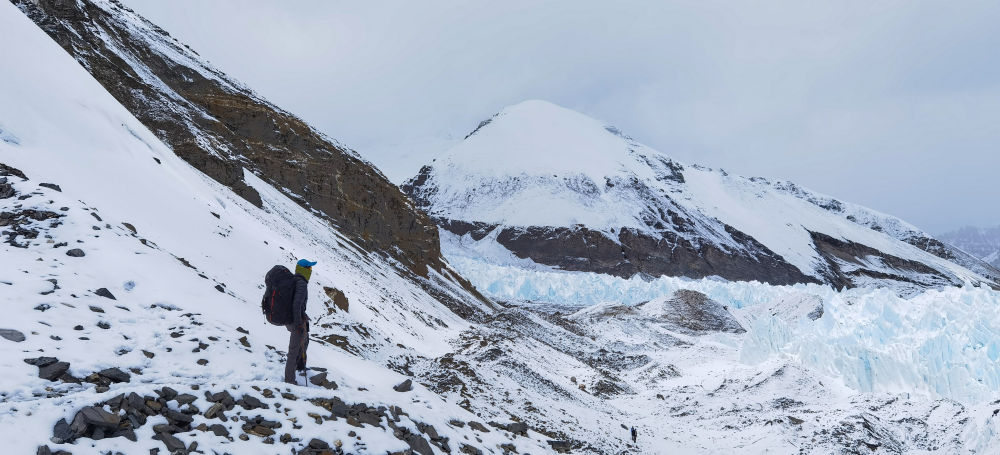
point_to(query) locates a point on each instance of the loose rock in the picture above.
(115, 375)
(53, 371)
(404, 386)
(12, 335)
(104, 292)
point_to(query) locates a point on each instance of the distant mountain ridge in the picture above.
(983, 243)
(567, 191)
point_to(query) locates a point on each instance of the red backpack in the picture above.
(279, 290)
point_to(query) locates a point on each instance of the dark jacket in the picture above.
(299, 299)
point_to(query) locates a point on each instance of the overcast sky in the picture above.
(893, 105)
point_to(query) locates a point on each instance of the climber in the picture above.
(284, 303)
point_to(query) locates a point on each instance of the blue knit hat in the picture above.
(305, 263)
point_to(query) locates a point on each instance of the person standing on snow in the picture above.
(634, 434)
(284, 304)
(298, 339)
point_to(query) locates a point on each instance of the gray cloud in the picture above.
(893, 105)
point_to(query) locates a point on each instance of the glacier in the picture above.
(941, 343)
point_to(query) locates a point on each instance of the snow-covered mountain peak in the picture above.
(538, 164)
(538, 138)
(568, 191)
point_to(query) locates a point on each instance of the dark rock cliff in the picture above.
(220, 127)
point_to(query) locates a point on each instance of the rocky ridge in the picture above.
(223, 128)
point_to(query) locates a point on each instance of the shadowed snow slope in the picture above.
(565, 190)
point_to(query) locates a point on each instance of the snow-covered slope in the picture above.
(568, 191)
(132, 259)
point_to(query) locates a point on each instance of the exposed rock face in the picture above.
(221, 127)
(634, 252)
(849, 265)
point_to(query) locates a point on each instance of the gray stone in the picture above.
(41, 361)
(177, 418)
(185, 398)
(61, 432)
(249, 402)
(404, 386)
(53, 371)
(418, 444)
(168, 394)
(219, 430)
(76, 253)
(95, 416)
(173, 444)
(318, 444)
(560, 446)
(520, 428)
(317, 380)
(104, 292)
(12, 335)
(115, 375)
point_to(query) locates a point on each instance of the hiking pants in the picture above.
(298, 341)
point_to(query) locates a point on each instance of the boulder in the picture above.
(62, 433)
(173, 444)
(478, 427)
(76, 253)
(115, 375)
(185, 398)
(418, 444)
(219, 430)
(41, 361)
(54, 371)
(177, 418)
(104, 292)
(520, 428)
(560, 446)
(404, 386)
(168, 394)
(250, 402)
(12, 335)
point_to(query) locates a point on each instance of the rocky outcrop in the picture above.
(851, 264)
(632, 252)
(221, 128)
(694, 312)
